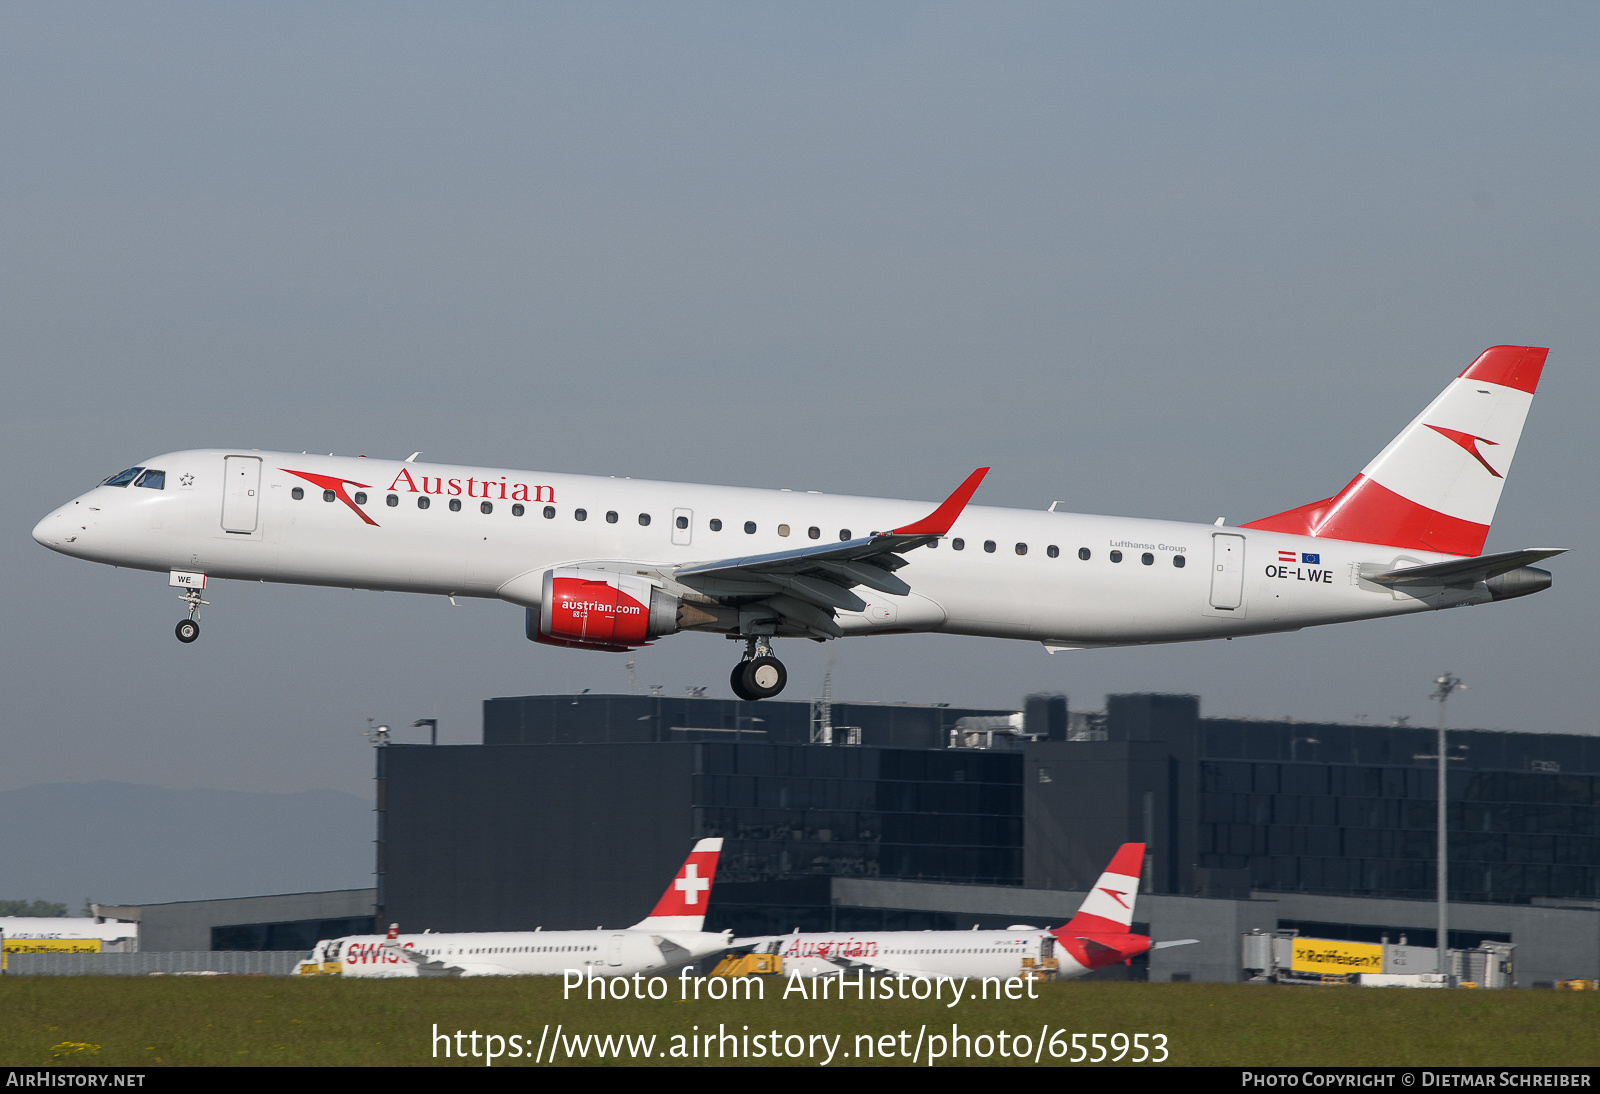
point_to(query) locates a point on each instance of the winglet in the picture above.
(938, 522)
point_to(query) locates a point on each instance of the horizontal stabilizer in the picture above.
(1464, 571)
(1175, 942)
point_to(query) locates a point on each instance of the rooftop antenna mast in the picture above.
(822, 708)
(1445, 685)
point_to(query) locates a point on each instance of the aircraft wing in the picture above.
(432, 966)
(1464, 571)
(805, 586)
(874, 967)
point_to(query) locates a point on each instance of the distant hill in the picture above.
(124, 843)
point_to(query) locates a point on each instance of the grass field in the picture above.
(176, 1021)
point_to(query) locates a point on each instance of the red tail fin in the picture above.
(1108, 909)
(1435, 487)
(683, 906)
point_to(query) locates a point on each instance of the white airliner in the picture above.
(611, 564)
(668, 938)
(1096, 937)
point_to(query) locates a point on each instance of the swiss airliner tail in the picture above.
(683, 906)
(1108, 909)
(1436, 485)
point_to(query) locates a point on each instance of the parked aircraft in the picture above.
(668, 938)
(1098, 936)
(613, 564)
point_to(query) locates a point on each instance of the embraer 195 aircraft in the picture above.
(668, 938)
(1098, 936)
(611, 564)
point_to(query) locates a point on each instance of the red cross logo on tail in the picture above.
(691, 884)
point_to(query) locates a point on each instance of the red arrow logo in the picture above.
(1470, 443)
(329, 482)
(1115, 895)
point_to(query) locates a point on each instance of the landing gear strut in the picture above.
(189, 629)
(760, 675)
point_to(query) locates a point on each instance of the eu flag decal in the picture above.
(1311, 560)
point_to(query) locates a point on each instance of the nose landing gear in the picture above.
(189, 629)
(760, 675)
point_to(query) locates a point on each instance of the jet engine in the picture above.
(597, 610)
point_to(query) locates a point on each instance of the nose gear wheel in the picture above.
(188, 630)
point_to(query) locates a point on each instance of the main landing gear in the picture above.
(189, 629)
(760, 675)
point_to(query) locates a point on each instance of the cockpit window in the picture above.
(155, 480)
(123, 478)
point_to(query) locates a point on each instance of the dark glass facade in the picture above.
(1354, 813)
(791, 811)
(470, 837)
(576, 809)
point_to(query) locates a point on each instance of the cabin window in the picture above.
(392, 500)
(1116, 556)
(749, 527)
(716, 526)
(958, 544)
(1148, 559)
(549, 512)
(1022, 548)
(988, 545)
(1177, 560)
(783, 529)
(1053, 551)
(580, 514)
(682, 522)
(297, 493)
(123, 478)
(844, 534)
(455, 505)
(153, 480)
(422, 501)
(518, 510)
(611, 516)
(1083, 553)
(814, 532)
(644, 520)
(361, 497)
(486, 507)
(329, 495)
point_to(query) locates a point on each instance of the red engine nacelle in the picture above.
(595, 610)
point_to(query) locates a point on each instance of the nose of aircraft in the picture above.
(55, 531)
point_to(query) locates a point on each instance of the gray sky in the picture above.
(1169, 260)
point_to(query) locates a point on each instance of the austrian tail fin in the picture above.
(1436, 485)
(683, 906)
(1108, 909)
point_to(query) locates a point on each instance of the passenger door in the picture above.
(1227, 571)
(241, 494)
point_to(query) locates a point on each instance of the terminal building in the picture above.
(891, 816)
(575, 809)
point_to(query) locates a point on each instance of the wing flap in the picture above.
(807, 585)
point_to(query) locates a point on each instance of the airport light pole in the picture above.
(1445, 685)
